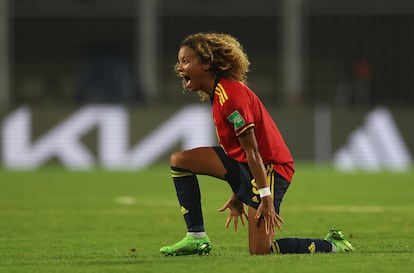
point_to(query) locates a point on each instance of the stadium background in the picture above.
(341, 57)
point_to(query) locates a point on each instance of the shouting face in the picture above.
(197, 76)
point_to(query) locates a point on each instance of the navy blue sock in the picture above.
(189, 197)
(300, 245)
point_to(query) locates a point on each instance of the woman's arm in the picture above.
(266, 209)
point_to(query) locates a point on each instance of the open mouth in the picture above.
(186, 81)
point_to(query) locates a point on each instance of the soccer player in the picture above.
(252, 157)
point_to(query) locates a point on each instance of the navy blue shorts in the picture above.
(243, 185)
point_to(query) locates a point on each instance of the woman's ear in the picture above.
(207, 67)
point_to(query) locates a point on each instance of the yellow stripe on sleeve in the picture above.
(221, 93)
(244, 129)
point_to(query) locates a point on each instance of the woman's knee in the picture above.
(176, 159)
(259, 249)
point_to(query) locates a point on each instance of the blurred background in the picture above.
(321, 66)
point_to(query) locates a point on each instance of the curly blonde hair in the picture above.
(223, 51)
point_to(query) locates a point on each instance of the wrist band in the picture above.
(264, 192)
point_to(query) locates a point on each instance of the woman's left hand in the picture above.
(266, 211)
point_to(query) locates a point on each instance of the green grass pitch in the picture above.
(54, 220)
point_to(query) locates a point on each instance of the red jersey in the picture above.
(235, 109)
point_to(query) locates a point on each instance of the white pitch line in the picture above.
(125, 200)
(332, 208)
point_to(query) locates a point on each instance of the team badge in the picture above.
(184, 210)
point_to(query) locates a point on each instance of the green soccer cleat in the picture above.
(337, 238)
(188, 246)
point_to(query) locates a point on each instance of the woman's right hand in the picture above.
(237, 210)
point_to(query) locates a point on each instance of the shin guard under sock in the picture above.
(300, 245)
(189, 197)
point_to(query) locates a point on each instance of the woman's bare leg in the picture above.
(259, 241)
(202, 160)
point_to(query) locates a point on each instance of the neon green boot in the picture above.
(188, 246)
(337, 238)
